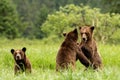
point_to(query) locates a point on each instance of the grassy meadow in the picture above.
(42, 54)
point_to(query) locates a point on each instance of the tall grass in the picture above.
(42, 55)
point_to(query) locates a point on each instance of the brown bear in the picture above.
(66, 56)
(80, 55)
(89, 47)
(22, 64)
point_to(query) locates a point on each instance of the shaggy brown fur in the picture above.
(80, 55)
(89, 47)
(66, 56)
(21, 61)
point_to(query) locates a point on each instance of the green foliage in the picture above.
(111, 6)
(107, 25)
(40, 20)
(70, 16)
(43, 56)
(9, 20)
(33, 13)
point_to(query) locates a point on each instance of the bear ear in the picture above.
(92, 28)
(75, 30)
(24, 49)
(64, 34)
(80, 28)
(12, 51)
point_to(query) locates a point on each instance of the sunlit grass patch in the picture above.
(43, 60)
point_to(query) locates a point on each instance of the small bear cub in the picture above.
(22, 64)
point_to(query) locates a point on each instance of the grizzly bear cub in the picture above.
(89, 47)
(22, 64)
(66, 56)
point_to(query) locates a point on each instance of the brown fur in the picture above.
(66, 56)
(22, 64)
(80, 56)
(89, 47)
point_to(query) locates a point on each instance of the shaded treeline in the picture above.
(24, 18)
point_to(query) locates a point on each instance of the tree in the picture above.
(34, 13)
(111, 6)
(70, 16)
(10, 23)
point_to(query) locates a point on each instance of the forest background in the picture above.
(40, 19)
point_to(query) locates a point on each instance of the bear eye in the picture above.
(86, 33)
(81, 33)
(15, 54)
(20, 53)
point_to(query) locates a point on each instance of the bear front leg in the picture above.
(83, 59)
(97, 61)
(28, 69)
(87, 51)
(28, 66)
(16, 69)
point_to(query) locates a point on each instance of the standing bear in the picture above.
(80, 56)
(21, 61)
(66, 56)
(89, 47)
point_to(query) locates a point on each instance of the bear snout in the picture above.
(18, 57)
(84, 39)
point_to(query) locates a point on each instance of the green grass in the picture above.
(42, 55)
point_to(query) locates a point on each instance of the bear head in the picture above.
(19, 54)
(86, 33)
(73, 35)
